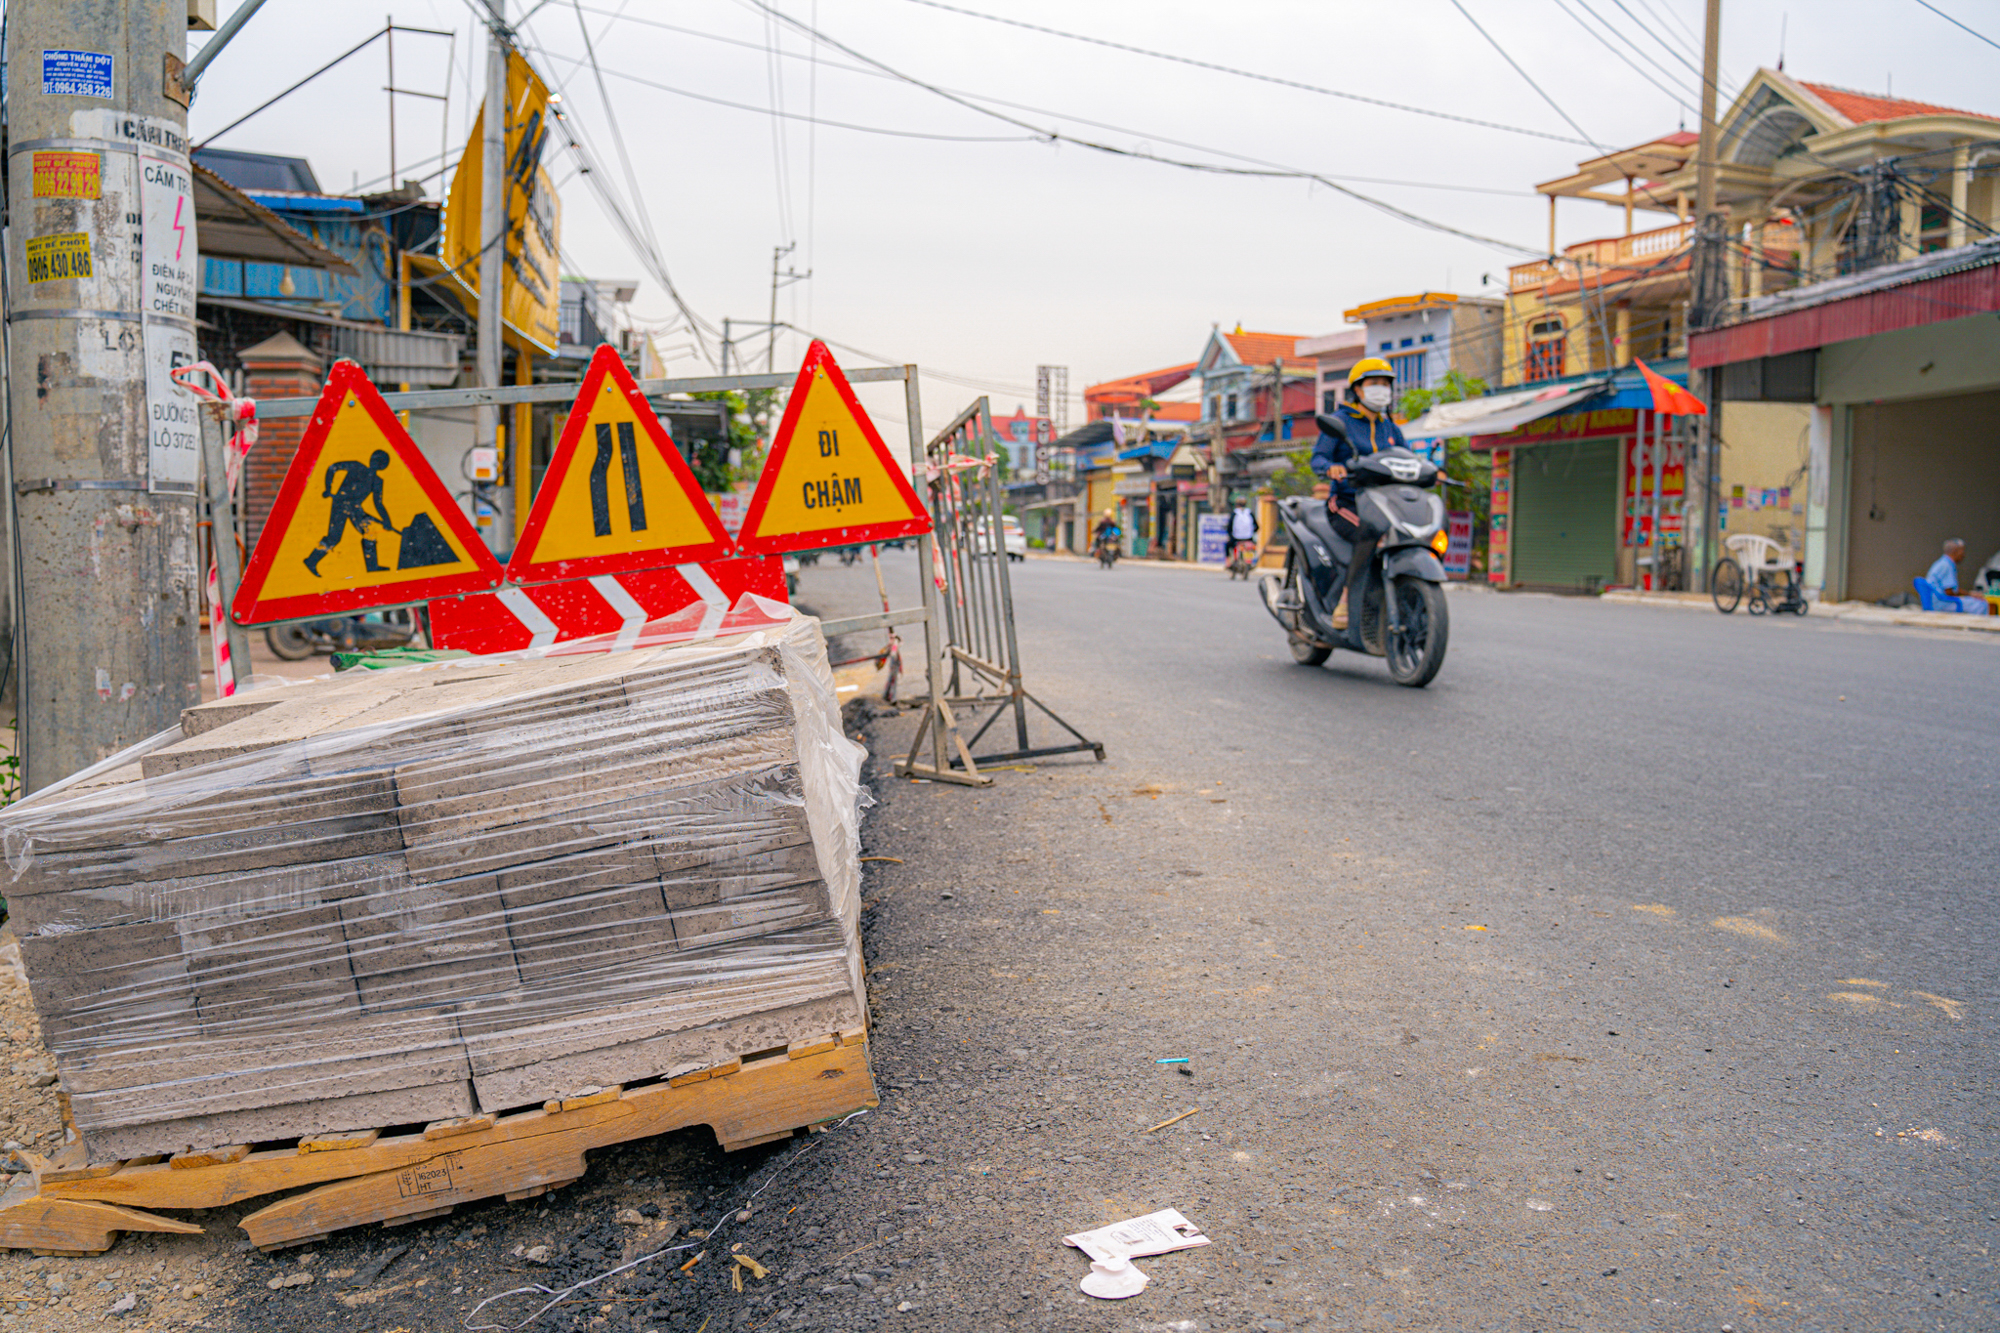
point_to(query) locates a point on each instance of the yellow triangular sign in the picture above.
(829, 479)
(360, 521)
(617, 497)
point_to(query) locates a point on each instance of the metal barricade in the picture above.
(968, 568)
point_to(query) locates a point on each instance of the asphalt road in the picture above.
(1640, 973)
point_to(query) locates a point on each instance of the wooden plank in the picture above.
(287, 1168)
(761, 1138)
(799, 1050)
(703, 1075)
(73, 1226)
(192, 1161)
(746, 1104)
(465, 1124)
(348, 1142)
(591, 1098)
(408, 1218)
(69, 1165)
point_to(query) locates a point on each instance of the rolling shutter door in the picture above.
(1566, 515)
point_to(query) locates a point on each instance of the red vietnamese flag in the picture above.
(1669, 398)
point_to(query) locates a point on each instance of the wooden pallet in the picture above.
(368, 1176)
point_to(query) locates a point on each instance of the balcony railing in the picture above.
(1639, 250)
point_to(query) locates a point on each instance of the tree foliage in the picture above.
(1473, 471)
(749, 415)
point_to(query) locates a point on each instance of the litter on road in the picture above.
(1112, 1249)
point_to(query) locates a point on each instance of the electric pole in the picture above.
(1708, 297)
(492, 226)
(785, 279)
(104, 456)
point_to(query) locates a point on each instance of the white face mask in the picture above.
(1376, 397)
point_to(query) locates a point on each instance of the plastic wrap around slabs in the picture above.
(464, 886)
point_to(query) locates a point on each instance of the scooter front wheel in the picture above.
(289, 643)
(1416, 649)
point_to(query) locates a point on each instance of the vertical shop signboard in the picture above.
(1503, 509)
(1458, 548)
(1640, 456)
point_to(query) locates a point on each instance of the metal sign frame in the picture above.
(951, 759)
(979, 641)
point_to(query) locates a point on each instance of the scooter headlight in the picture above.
(1441, 542)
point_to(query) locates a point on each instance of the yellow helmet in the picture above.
(1370, 365)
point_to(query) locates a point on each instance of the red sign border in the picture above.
(248, 607)
(523, 569)
(750, 542)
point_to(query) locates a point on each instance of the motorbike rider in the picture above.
(1358, 427)
(1106, 530)
(1242, 528)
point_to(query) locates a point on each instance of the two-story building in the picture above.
(1426, 335)
(1813, 182)
(1332, 355)
(1888, 345)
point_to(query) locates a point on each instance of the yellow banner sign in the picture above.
(66, 255)
(531, 277)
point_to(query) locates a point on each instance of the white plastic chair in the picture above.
(1759, 555)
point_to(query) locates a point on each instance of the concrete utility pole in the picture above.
(105, 451)
(1708, 274)
(492, 224)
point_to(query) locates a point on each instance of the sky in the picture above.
(967, 242)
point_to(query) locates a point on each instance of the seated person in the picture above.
(1943, 578)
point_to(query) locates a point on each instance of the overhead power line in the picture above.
(1681, 95)
(1250, 74)
(1057, 136)
(799, 115)
(1956, 24)
(1494, 43)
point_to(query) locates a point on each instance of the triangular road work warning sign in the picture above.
(360, 521)
(617, 497)
(829, 480)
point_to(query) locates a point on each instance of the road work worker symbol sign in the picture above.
(361, 520)
(829, 480)
(617, 496)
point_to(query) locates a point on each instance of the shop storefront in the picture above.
(1566, 525)
(1902, 366)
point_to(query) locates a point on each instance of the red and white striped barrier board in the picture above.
(615, 605)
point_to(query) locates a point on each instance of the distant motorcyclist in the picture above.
(1104, 539)
(1242, 524)
(1358, 427)
(1106, 530)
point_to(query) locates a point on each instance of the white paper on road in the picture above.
(1155, 1233)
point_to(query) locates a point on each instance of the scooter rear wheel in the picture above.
(1416, 651)
(1307, 653)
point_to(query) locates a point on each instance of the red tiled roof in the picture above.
(1144, 385)
(1863, 107)
(1261, 349)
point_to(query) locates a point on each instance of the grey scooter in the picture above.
(1391, 572)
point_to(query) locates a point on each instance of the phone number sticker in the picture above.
(69, 176)
(65, 255)
(76, 74)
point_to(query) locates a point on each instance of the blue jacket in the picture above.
(1361, 432)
